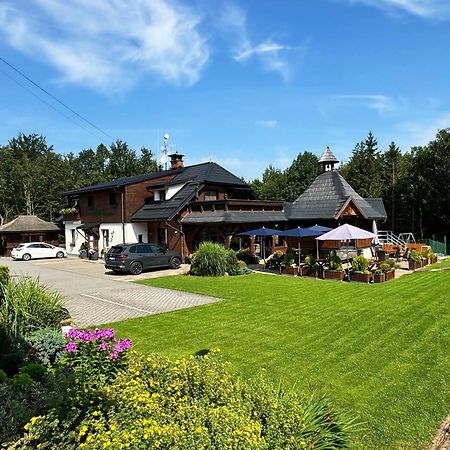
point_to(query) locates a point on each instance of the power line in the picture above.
(55, 98)
(49, 104)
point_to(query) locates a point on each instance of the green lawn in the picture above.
(443, 264)
(379, 351)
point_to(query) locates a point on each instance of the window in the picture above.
(140, 238)
(72, 235)
(112, 199)
(133, 249)
(156, 249)
(90, 201)
(210, 195)
(144, 248)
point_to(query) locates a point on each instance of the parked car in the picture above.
(34, 250)
(134, 258)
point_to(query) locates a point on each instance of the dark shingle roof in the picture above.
(120, 182)
(28, 223)
(326, 196)
(168, 209)
(193, 178)
(234, 217)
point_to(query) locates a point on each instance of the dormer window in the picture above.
(160, 196)
(210, 195)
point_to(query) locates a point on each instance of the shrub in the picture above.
(34, 371)
(213, 260)
(28, 306)
(415, 256)
(360, 264)
(241, 264)
(245, 255)
(3, 376)
(385, 267)
(191, 403)
(44, 346)
(288, 259)
(4, 277)
(311, 262)
(334, 262)
(21, 381)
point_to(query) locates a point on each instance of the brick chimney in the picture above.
(176, 161)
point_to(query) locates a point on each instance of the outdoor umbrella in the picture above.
(344, 233)
(261, 232)
(375, 240)
(299, 233)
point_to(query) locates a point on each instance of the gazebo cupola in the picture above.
(328, 160)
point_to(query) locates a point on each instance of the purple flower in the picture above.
(73, 333)
(87, 336)
(114, 355)
(71, 347)
(123, 344)
(104, 346)
(104, 334)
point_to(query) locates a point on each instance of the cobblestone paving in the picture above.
(94, 297)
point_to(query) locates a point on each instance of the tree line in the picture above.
(414, 185)
(33, 175)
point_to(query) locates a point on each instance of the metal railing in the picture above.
(388, 237)
(438, 247)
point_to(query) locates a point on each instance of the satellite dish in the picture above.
(166, 136)
(163, 159)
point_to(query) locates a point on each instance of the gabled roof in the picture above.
(206, 172)
(193, 178)
(327, 195)
(25, 224)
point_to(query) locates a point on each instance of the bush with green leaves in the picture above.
(360, 264)
(288, 259)
(415, 256)
(245, 255)
(214, 260)
(44, 346)
(189, 404)
(311, 262)
(4, 276)
(28, 306)
(334, 262)
(35, 371)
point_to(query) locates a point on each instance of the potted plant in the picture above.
(388, 267)
(379, 276)
(311, 267)
(334, 271)
(289, 266)
(415, 260)
(360, 270)
(69, 213)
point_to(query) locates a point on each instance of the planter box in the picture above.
(308, 272)
(389, 275)
(290, 270)
(334, 275)
(379, 278)
(412, 265)
(424, 262)
(360, 277)
(434, 260)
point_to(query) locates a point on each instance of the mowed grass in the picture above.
(379, 351)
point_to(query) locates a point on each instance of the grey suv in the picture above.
(135, 258)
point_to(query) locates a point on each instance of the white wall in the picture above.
(70, 225)
(172, 190)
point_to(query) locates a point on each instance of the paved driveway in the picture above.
(94, 296)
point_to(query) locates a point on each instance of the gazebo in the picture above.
(27, 229)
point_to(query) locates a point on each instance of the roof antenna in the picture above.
(164, 149)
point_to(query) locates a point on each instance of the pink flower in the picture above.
(71, 347)
(104, 346)
(114, 355)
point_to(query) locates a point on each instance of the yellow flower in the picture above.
(113, 427)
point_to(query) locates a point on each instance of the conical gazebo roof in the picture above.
(328, 157)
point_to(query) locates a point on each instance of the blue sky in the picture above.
(243, 83)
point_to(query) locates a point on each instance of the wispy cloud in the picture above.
(272, 55)
(379, 103)
(433, 9)
(266, 123)
(108, 44)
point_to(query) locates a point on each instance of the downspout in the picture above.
(122, 204)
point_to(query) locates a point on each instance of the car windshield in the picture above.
(20, 246)
(116, 250)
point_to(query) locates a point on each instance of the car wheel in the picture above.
(136, 268)
(175, 263)
(60, 255)
(26, 257)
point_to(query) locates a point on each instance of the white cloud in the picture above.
(109, 44)
(435, 9)
(379, 103)
(266, 123)
(272, 55)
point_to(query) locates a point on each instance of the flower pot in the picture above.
(434, 260)
(379, 278)
(413, 265)
(309, 272)
(360, 277)
(424, 262)
(389, 275)
(334, 275)
(290, 270)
